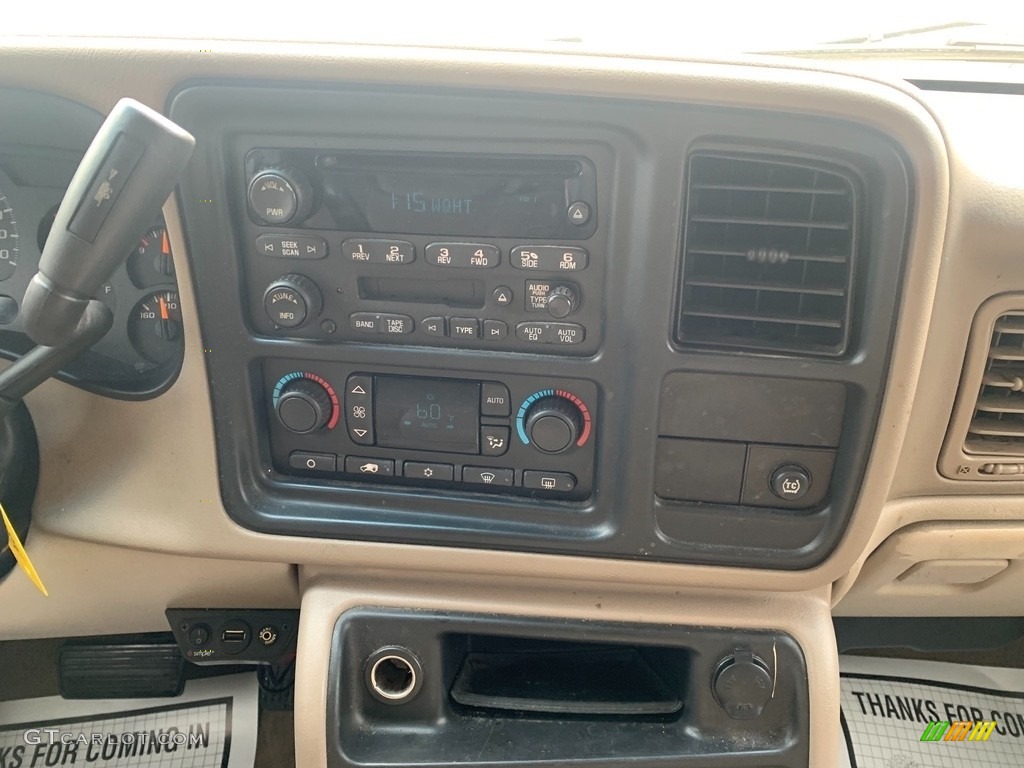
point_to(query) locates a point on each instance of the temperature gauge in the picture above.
(155, 327)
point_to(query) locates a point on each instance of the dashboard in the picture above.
(585, 341)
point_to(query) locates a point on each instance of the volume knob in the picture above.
(303, 406)
(553, 424)
(280, 195)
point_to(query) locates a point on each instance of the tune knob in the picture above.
(280, 195)
(291, 300)
(562, 301)
(303, 406)
(553, 424)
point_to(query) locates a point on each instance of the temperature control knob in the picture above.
(562, 301)
(280, 195)
(553, 424)
(303, 406)
(291, 300)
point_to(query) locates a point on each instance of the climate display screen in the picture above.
(427, 414)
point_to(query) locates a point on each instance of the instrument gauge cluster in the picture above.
(141, 355)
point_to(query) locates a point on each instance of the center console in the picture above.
(584, 326)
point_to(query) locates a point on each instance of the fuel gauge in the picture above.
(151, 262)
(154, 327)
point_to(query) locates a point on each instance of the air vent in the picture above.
(768, 254)
(997, 426)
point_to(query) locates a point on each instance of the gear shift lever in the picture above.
(127, 173)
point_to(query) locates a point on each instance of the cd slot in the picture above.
(466, 294)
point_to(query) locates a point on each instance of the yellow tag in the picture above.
(20, 554)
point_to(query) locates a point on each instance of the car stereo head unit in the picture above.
(476, 251)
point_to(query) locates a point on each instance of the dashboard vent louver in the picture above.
(768, 254)
(997, 426)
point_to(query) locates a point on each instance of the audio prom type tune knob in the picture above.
(304, 403)
(280, 195)
(562, 301)
(291, 300)
(553, 424)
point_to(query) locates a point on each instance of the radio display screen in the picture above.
(427, 414)
(462, 196)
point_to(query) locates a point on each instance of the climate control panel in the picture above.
(519, 434)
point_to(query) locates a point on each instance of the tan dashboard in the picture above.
(130, 516)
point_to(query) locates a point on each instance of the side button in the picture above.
(561, 482)
(312, 462)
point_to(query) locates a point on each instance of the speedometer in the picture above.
(8, 238)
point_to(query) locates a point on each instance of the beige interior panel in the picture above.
(327, 594)
(973, 568)
(98, 590)
(101, 460)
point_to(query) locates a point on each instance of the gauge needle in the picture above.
(165, 246)
(163, 310)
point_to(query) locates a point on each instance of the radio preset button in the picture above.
(463, 255)
(372, 251)
(494, 399)
(433, 326)
(312, 462)
(548, 481)
(549, 258)
(360, 465)
(464, 328)
(488, 476)
(359, 409)
(429, 471)
(551, 333)
(291, 246)
(495, 330)
(494, 440)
